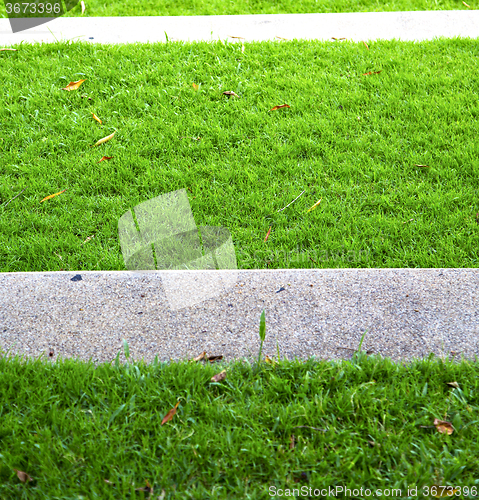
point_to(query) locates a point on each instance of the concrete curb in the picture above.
(408, 313)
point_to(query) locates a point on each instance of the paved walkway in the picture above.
(363, 26)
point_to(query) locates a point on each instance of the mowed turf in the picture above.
(382, 132)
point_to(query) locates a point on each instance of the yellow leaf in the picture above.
(279, 107)
(52, 195)
(73, 85)
(96, 118)
(199, 358)
(105, 139)
(314, 206)
(195, 86)
(170, 414)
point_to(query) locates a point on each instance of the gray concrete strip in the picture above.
(363, 26)
(407, 313)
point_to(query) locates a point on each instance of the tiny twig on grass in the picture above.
(14, 197)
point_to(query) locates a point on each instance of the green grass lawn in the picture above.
(98, 8)
(392, 155)
(84, 431)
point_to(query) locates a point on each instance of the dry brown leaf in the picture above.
(212, 359)
(267, 236)
(314, 206)
(339, 38)
(291, 442)
(366, 45)
(230, 93)
(372, 73)
(422, 166)
(279, 107)
(52, 195)
(443, 426)
(219, 376)
(170, 414)
(104, 158)
(73, 85)
(453, 384)
(105, 139)
(13, 50)
(199, 358)
(23, 476)
(240, 37)
(195, 86)
(96, 118)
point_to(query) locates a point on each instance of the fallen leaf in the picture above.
(23, 476)
(104, 158)
(96, 118)
(195, 86)
(266, 239)
(170, 414)
(52, 195)
(240, 37)
(73, 85)
(423, 166)
(291, 442)
(466, 5)
(212, 359)
(279, 107)
(13, 50)
(314, 206)
(366, 45)
(443, 426)
(230, 93)
(372, 73)
(453, 384)
(219, 376)
(281, 38)
(101, 141)
(339, 38)
(82, 7)
(199, 358)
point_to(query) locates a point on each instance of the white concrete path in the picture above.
(363, 26)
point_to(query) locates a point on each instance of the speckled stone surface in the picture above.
(408, 313)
